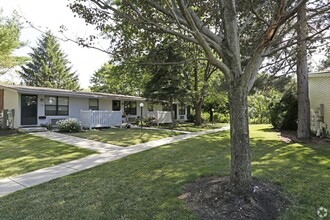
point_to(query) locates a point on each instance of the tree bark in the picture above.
(240, 143)
(303, 131)
(197, 101)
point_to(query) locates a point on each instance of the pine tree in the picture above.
(49, 66)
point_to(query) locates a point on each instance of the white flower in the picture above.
(322, 212)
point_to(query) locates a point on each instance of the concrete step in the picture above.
(32, 129)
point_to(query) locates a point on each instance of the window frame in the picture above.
(57, 106)
(129, 108)
(113, 106)
(182, 109)
(94, 107)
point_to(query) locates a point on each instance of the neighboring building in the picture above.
(319, 95)
(35, 106)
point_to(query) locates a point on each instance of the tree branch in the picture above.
(296, 42)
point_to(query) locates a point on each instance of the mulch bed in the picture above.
(212, 198)
(291, 137)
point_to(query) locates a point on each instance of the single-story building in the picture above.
(319, 96)
(24, 106)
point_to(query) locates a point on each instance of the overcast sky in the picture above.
(50, 15)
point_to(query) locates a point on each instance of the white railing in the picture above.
(96, 119)
(161, 117)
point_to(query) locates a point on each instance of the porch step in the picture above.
(32, 129)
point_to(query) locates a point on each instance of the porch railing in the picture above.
(96, 119)
(161, 117)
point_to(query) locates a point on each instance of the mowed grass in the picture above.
(194, 128)
(147, 185)
(124, 137)
(22, 153)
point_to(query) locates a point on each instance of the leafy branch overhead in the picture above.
(195, 21)
(234, 36)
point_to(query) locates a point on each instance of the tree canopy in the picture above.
(10, 30)
(235, 37)
(119, 79)
(49, 66)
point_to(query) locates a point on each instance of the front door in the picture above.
(29, 110)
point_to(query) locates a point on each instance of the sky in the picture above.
(50, 15)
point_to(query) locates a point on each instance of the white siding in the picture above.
(319, 93)
(11, 101)
(77, 104)
(105, 104)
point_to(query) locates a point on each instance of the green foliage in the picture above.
(167, 81)
(146, 121)
(10, 30)
(221, 118)
(49, 66)
(266, 82)
(119, 79)
(284, 112)
(69, 125)
(205, 116)
(217, 95)
(267, 89)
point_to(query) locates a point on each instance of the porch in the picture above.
(97, 119)
(161, 117)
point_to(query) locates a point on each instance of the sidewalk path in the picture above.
(107, 153)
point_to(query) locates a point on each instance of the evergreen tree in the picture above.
(167, 81)
(49, 66)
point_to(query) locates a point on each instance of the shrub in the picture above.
(146, 121)
(205, 116)
(69, 125)
(220, 118)
(190, 117)
(284, 113)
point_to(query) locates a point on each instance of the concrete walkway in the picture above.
(107, 153)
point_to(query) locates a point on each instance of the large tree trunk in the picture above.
(303, 131)
(239, 140)
(197, 101)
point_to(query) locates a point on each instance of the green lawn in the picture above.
(193, 128)
(147, 185)
(124, 137)
(22, 153)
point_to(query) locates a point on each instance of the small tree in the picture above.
(10, 30)
(49, 66)
(284, 112)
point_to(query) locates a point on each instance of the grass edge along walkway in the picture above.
(10, 185)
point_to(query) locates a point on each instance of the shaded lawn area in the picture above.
(147, 185)
(124, 137)
(22, 153)
(193, 128)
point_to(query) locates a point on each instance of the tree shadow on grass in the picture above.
(147, 185)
